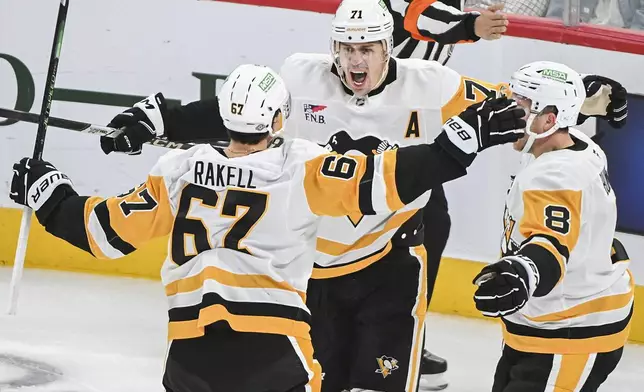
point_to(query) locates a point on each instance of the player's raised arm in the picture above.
(466, 91)
(605, 97)
(106, 228)
(443, 21)
(195, 122)
(337, 185)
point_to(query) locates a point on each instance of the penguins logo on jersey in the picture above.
(508, 245)
(343, 143)
(386, 365)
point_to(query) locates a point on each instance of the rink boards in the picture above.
(452, 293)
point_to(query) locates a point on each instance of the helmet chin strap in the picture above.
(383, 74)
(532, 137)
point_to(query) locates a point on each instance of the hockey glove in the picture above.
(482, 125)
(39, 185)
(618, 252)
(505, 286)
(606, 99)
(140, 124)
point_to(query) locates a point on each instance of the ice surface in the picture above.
(88, 333)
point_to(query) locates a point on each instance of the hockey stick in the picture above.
(59, 122)
(94, 129)
(25, 223)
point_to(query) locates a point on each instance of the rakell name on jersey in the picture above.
(216, 175)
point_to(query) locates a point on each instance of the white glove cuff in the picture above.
(531, 270)
(461, 134)
(42, 189)
(151, 106)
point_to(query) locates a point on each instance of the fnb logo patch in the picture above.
(312, 113)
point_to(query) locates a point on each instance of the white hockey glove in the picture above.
(505, 286)
(605, 99)
(482, 125)
(40, 186)
(140, 124)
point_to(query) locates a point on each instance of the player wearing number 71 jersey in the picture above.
(242, 223)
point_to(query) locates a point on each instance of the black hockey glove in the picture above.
(606, 99)
(482, 125)
(505, 286)
(140, 124)
(39, 185)
(618, 252)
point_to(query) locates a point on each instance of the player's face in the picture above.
(541, 123)
(526, 104)
(363, 65)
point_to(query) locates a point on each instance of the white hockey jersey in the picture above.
(243, 230)
(563, 203)
(409, 108)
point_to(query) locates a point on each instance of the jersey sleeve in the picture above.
(117, 226)
(299, 69)
(439, 21)
(113, 227)
(551, 224)
(463, 91)
(337, 185)
(194, 122)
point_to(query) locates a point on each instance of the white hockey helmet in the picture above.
(547, 83)
(361, 21)
(251, 97)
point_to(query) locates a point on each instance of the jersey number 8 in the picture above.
(558, 219)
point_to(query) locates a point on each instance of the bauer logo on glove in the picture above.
(39, 185)
(482, 125)
(42, 189)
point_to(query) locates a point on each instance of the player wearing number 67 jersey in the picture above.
(562, 288)
(243, 222)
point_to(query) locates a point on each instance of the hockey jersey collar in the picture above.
(579, 145)
(392, 74)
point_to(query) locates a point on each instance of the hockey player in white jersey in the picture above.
(562, 287)
(362, 100)
(242, 225)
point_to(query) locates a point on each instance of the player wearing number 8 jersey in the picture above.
(562, 287)
(243, 222)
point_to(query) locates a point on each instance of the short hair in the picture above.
(251, 138)
(247, 138)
